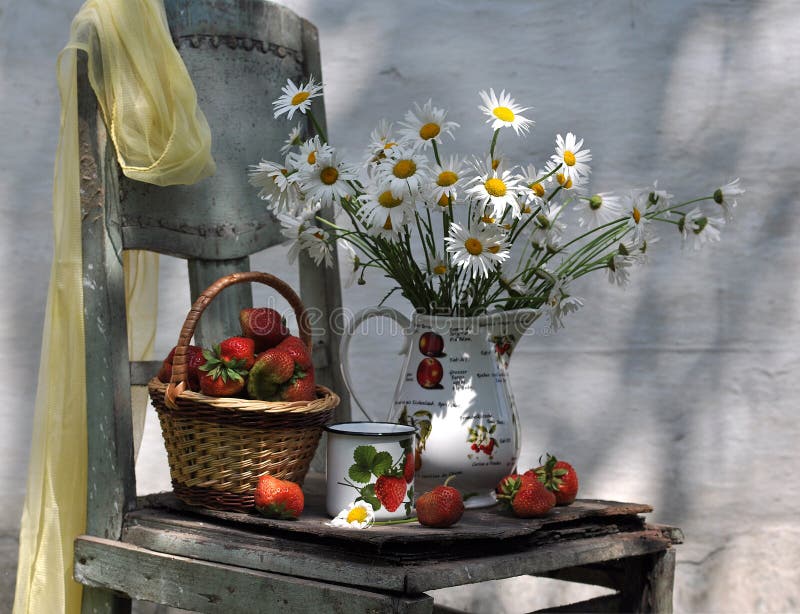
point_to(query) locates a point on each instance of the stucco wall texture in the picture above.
(679, 391)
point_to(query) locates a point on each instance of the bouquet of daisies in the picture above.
(465, 237)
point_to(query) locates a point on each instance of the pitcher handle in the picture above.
(361, 317)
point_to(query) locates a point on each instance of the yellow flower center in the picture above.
(495, 163)
(404, 169)
(388, 223)
(473, 246)
(526, 209)
(446, 178)
(319, 236)
(299, 98)
(569, 158)
(564, 180)
(487, 219)
(328, 175)
(387, 199)
(312, 157)
(494, 249)
(429, 131)
(439, 269)
(504, 114)
(389, 145)
(357, 514)
(537, 188)
(637, 215)
(495, 187)
(444, 201)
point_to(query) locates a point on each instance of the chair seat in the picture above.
(246, 558)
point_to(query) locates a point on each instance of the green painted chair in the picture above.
(239, 54)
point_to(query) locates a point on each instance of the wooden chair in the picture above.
(239, 54)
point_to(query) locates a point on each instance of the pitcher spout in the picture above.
(506, 328)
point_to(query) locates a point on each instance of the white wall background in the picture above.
(680, 391)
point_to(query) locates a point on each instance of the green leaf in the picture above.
(364, 456)
(381, 464)
(359, 474)
(368, 493)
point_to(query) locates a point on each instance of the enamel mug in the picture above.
(372, 462)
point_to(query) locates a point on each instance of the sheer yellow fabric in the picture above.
(161, 137)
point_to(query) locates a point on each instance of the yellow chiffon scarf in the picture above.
(150, 108)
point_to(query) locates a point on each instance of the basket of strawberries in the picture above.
(246, 407)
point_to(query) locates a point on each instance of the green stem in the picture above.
(317, 127)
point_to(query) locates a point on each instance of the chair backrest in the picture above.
(238, 53)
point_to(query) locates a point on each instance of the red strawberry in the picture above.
(532, 500)
(559, 477)
(271, 369)
(220, 377)
(390, 490)
(440, 507)
(300, 388)
(194, 358)
(506, 484)
(238, 348)
(264, 325)
(279, 498)
(408, 467)
(298, 350)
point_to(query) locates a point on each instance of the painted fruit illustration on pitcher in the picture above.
(431, 344)
(422, 421)
(430, 373)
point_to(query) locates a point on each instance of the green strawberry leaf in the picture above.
(381, 463)
(364, 456)
(368, 494)
(358, 474)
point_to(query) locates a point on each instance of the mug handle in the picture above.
(361, 317)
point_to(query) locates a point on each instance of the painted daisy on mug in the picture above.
(470, 233)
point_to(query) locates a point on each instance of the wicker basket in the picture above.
(218, 447)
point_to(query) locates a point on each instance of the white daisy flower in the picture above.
(700, 228)
(424, 124)
(438, 268)
(497, 190)
(309, 151)
(404, 171)
(379, 204)
(381, 140)
(576, 184)
(618, 265)
(351, 263)
(358, 515)
(386, 229)
(278, 185)
(654, 197)
(574, 161)
(503, 111)
(307, 236)
(295, 139)
(638, 223)
(536, 190)
(560, 303)
(327, 180)
(447, 180)
(296, 98)
(547, 230)
(600, 209)
(724, 197)
(477, 250)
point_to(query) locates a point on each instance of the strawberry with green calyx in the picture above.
(264, 325)
(560, 478)
(220, 377)
(300, 388)
(270, 371)
(441, 507)
(507, 484)
(239, 348)
(276, 498)
(408, 467)
(532, 500)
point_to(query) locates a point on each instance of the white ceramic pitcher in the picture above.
(454, 389)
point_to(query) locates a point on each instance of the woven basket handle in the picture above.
(179, 382)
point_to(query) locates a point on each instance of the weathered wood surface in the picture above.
(111, 478)
(211, 587)
(604, 603)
